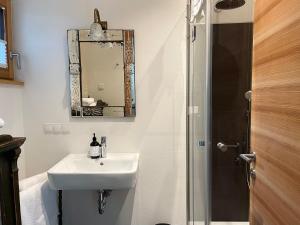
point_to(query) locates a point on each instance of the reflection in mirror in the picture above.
(102, 76)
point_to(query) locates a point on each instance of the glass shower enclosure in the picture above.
(219, 46)
(199, 112)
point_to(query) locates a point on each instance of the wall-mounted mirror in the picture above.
(102, 74)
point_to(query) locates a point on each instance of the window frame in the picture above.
(7, 73)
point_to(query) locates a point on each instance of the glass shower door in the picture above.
(199, 111)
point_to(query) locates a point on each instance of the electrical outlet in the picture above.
(100, 87)
(65, 129)
(47, 128)
(56, 128)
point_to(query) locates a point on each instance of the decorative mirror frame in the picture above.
(121, 36)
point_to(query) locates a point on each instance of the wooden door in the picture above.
(275, 128)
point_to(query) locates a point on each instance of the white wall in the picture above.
(158, 131)
(11, 111)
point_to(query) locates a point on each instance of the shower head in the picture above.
(229, 4)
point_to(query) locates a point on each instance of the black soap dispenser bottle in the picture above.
(94, 148)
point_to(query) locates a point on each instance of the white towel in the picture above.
(196, 6)
(88, 100)
(29, 182)
(93, 104)
(1, 123)
(89, 104)
(38, 204)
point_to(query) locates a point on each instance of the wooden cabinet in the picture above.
(9, 181)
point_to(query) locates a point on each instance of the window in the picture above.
(6, 66)
(3, 42)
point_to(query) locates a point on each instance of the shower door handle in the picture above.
(249, 158)
(223, 147)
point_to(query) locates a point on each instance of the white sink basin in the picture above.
(79, 172)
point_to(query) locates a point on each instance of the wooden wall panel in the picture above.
(275, 129)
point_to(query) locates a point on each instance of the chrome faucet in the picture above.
(103, 150)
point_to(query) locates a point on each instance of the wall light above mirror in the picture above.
(97, 27)
(102, 71)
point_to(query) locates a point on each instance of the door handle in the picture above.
(249, 158)
(223, 147)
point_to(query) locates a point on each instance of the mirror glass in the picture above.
(102, 78)
(102, 74)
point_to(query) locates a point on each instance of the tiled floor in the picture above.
(220, 223)
(230, 223)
